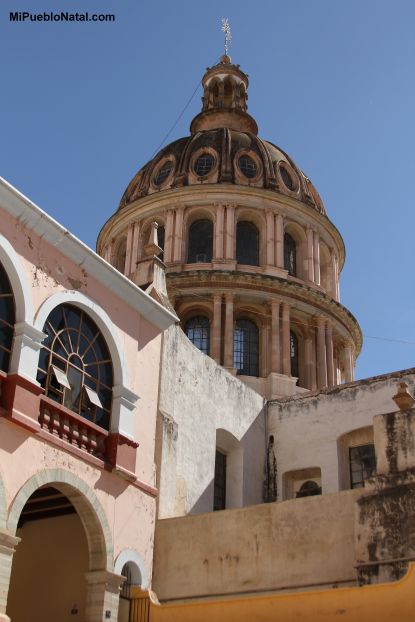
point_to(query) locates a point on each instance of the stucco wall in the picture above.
(307, 428)
(197, 398)
(295, 544)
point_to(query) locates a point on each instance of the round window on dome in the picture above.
(204, 164)
(248, 166)
(287, 178)
(163, 172)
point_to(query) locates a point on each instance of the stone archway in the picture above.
(102, 584)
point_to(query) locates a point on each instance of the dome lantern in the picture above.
(224, 100)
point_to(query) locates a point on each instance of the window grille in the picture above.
(200, 241)
(219, 484)
(163, 172)
(204, 164)
(248, 166)
(294, 354)
(75, 367)
(290, 255)
(309, 489)
(247, 243)
(286, 178)
(362, 461)
(7, 320)
(197, 330)
(245, 348)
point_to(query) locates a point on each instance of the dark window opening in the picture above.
(248, 166)
(200, 242)
(245, 348)
(309, 489)
(247, 243)
(204, 164)
(198, 331)
(161, 232)
(294, 354)
(290, 255)
(219, 485)
(286, 178)
(75, 367)
(362, 462)
(7, 320)
(163, 172)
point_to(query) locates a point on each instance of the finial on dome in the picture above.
(226, 28)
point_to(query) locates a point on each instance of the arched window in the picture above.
(200, 242)
(75, 367)
(309, 489)
(247, 243)
(290, 255)
(7, 319)
(197, 330)
(120, 254)
(245, 348)
(294, 354)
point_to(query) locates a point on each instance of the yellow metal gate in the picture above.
(139, 606)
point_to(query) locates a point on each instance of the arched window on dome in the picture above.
(75, 367)
(295, 370)
(228, 92)
(161, 233)
(120, 254)
(197, 330)
(247, 243)
(7, 320)
(290, 255)
(200, 246)
(245, 347)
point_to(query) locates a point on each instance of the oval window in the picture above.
(287, 179)
(248, 166)
(204, 164)
(163, 172)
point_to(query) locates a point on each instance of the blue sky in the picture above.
(85, 105)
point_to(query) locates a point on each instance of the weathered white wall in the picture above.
(307, 429)
(295, 544)
(197, 398)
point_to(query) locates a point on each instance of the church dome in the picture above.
(223, 148)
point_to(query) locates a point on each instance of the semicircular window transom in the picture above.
(197, 329)
(163, 172)
(204, 164)
(75, 366)
(248, 166)
(7, 320)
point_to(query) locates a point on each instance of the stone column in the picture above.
(329, 354)
(270, 232)
(316, 251)
(178, 235)
(348, 361)
(321, 353)
(308, 361)
(279, 241)
(8, 545)
(335, 273)
(313, 366)
(275, 337)
(264, 349)
(219, 231)
(108, 251)
(216, 327)
(230, 232)
(286, 355)
(102, 597)
(310, 254)
(168, 242)
(228, 346)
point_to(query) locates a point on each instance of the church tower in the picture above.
(252, 260)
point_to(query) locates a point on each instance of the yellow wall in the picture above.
(380, 603)
(48, 572)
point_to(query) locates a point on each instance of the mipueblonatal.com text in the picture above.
(62, 16)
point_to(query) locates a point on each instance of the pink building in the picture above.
(79, 367)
